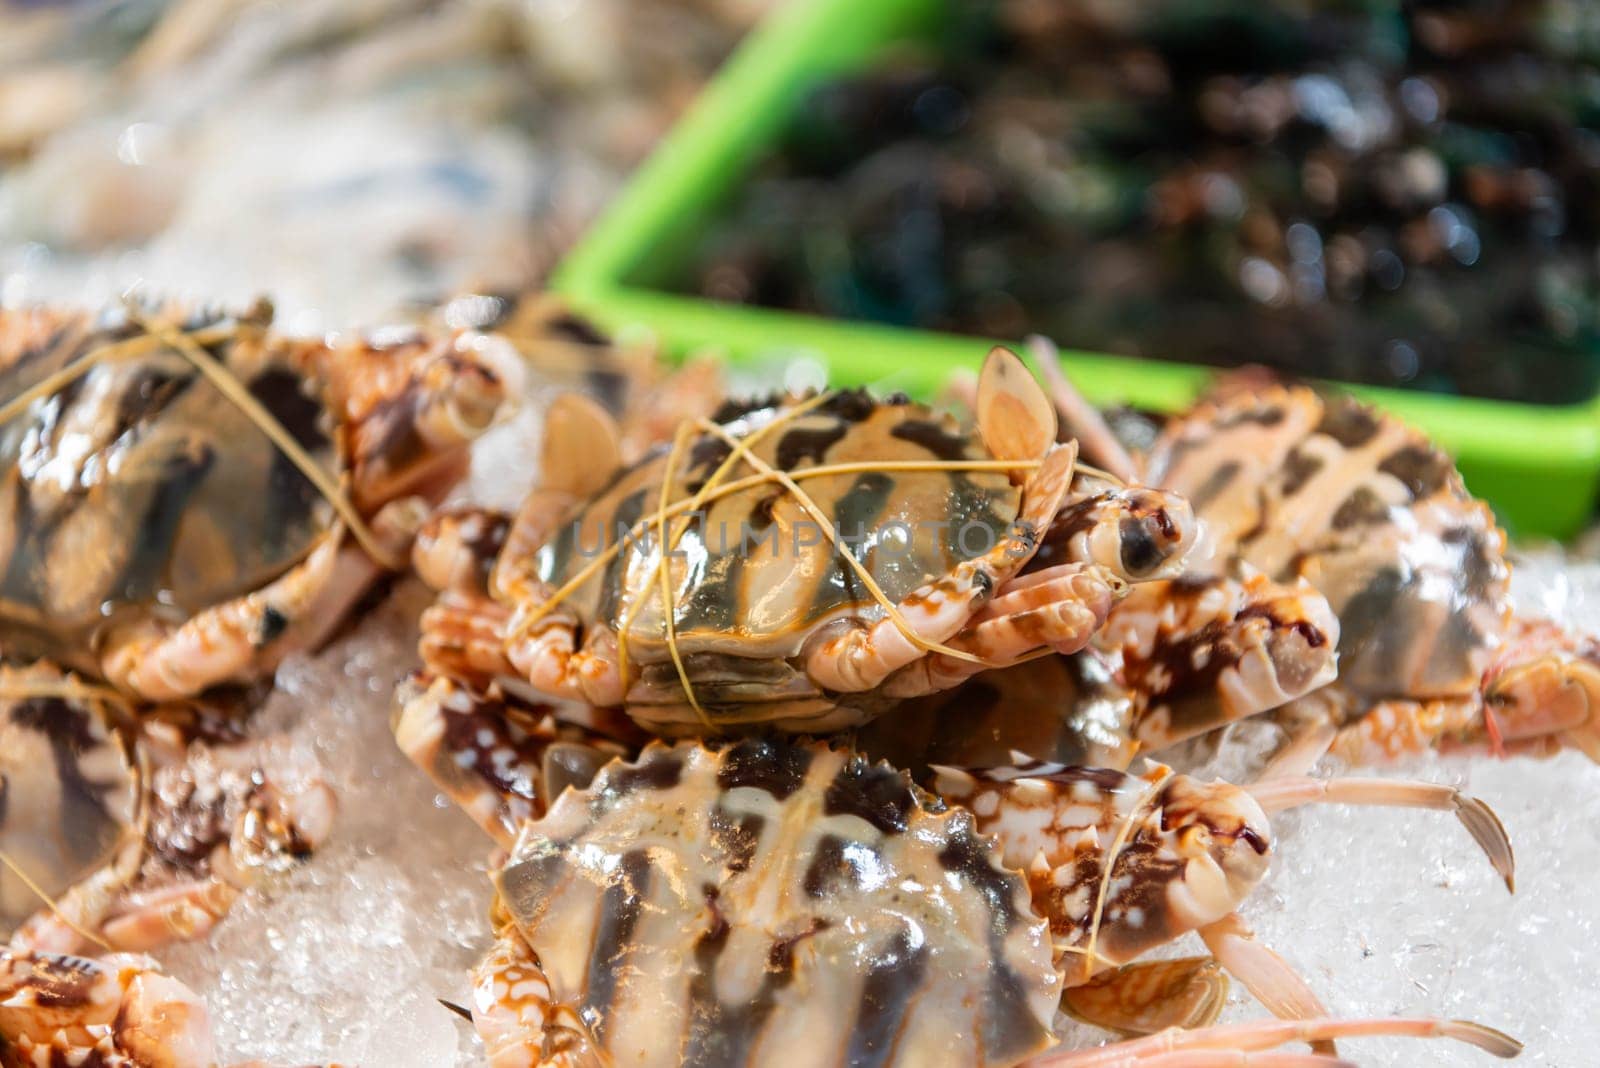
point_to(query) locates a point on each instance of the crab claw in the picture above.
(1015, 418)
(1206, 651)
(1545, 688)
(57, 1009)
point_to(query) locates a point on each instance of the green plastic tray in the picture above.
(1538, 465)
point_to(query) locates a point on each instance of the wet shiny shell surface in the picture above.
(756, 574)
(777, 903)
(138, 486)
(70, 792)
(1061, 709)
(1367, 510)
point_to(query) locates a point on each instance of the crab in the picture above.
(1191, 651)
(1323, 492)
(742, 901)
(873, 552)
(118, 1011)
(137, 830)
(186, 500)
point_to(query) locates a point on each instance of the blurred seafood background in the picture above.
(1399, 194)
(348, 157)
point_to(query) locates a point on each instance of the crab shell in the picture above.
(774, 902)
(137, 496)
(1063, 709)
(756, 578)
(1369, 511)
(72, 789)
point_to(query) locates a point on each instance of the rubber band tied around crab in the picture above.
(714, 488)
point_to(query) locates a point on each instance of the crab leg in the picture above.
(1275, 984)
(1541, 692)
(1263, 1035)
(1149, 996)
(580, 451)
(1275, 795)
(174, 914)
(1058, 609)
(515, 1015)
(463, 635)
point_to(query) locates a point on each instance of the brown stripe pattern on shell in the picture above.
(1062, 709)
(754, 575)
(137, 485)
(1366, 509)
(1182, 853)
(69, 792)
(778, 903)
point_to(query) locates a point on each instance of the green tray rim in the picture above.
(1539, 465)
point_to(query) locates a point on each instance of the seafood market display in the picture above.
(802, 728)
(476, 687)
(719, 900)
(1397, 194)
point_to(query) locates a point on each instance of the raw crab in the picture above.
(873, 553)
(760, 903)
(767, 899)
(136, 830)
(1190, 652)
(184, 503)
(115, 1012)
(1307, 489)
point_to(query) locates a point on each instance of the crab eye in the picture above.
(1141, 549)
